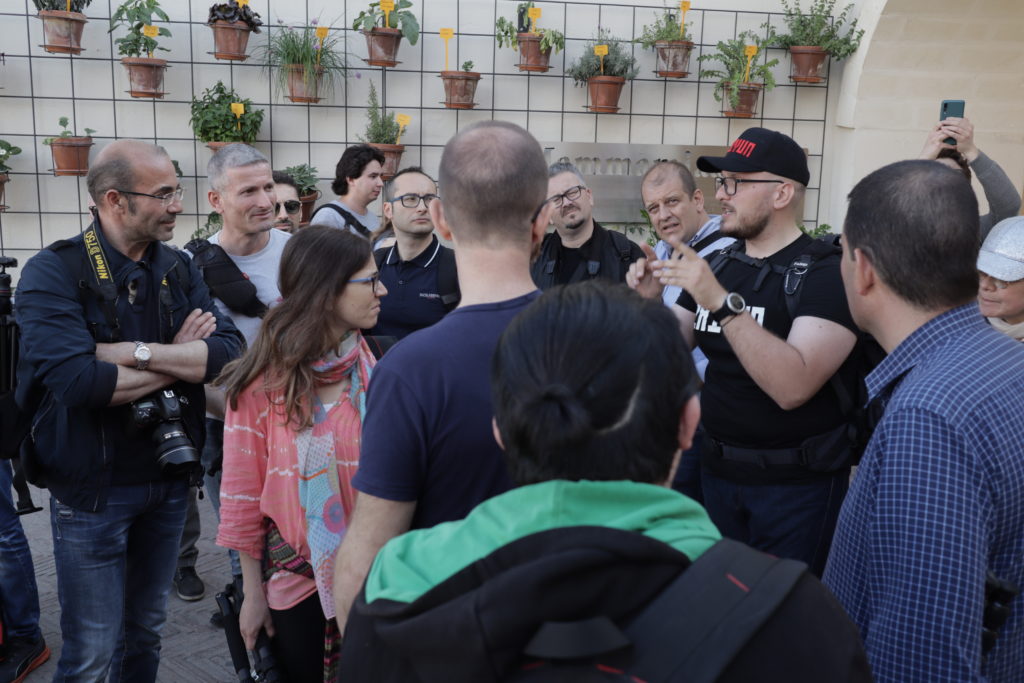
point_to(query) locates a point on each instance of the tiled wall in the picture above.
(38, 88)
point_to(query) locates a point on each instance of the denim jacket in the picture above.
(75, 432)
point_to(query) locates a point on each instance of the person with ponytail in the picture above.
(295, 406)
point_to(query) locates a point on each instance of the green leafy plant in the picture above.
(66, 132)
(381, 129)
(816, 27)
(467, 65)
(506, 32)
(732, 56)
(7, 150)
(400, 18)
(665, 27)
(299, 46)
(231, 12)
(213, 224)
(136, 14)
(816, 232)
(618, 62)
(213, 121)
(305, 176)
(61, 5)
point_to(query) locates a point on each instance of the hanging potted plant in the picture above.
(814, 36)
(63, 23)
(382, 41)
(306, 177)
(382, 133)
(672, 44)
(232, 23)
(221, 117)
(305, 64)
(534, 46)
(7, 150)
(145, 74)
(460, 87)
(604, 78)
(70, 152)
(737, 88)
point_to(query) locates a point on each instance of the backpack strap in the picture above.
(707, 241)
(224, 278)
(448, 279)
(350, 220)
(705, 617)
(379, 343)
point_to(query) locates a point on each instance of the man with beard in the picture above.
(579, 248)
(768, 465)
(288, 206)
(418, 270)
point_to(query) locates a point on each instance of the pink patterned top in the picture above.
(261, 478)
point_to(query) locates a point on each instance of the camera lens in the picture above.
(174, 450)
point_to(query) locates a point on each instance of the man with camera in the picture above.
(119, 333)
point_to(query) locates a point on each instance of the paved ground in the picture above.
(193, 651)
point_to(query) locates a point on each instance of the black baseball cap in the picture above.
(760, 149)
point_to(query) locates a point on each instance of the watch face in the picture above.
(143, 354)
(735, 302)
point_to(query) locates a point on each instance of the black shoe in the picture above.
(23, 656)
(188, 584)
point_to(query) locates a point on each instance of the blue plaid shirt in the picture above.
(937, 501)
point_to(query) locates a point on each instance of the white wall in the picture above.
(39, 88)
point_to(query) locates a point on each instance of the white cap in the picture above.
(1002, 254)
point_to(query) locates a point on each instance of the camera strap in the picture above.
(104, 280)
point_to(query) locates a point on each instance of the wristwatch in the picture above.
(142, 354)
(734, 304)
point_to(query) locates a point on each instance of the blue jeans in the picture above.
(794, 521)
(19, 596)
(114, 571)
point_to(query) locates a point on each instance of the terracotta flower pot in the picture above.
(301, 88)
(62, 31)
(604, 93)
(230, 38)
(392, 158)
(71, 155)
(748, 100)
(807, 64)
(217, 145)
(3, 184)
(459, 88)
(382, 46)
(531, 57)
(307, 202)
(145, 76)
(673, 58)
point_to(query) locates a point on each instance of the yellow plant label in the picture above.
(600, 50)
(238, 108)
(150, 31)
(69, 5)
(684, 6)
(533, 12)
(387, 5)
(242, 3)
(750, 50)
(403, 119)
(447, 33)
(321, 32)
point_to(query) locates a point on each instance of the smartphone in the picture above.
(951, 108)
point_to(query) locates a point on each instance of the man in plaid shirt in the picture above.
(938, 502)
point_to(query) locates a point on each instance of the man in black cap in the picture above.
(771, 316)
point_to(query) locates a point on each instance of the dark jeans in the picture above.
(19, 597)
(794, 521)
(687, 479)
(114, 570)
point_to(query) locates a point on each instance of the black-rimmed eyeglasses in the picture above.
(411, 200)
(165, 199)
(572, 194)
(291, 206)
(730, 184)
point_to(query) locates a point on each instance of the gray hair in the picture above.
(560, 167)
(113, 168)
(235, 155)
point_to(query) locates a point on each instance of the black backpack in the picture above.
(350, 221)
(612, 262)
(224, 278)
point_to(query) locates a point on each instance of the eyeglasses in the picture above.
(373, 280)
(572, 194)
(999, 284)
(290, 206)
(165, 199)
(411, 201)
(730, 183)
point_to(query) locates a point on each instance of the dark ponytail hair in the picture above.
(589, 382)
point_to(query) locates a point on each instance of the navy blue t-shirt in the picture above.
(414, 297)
(427, 433)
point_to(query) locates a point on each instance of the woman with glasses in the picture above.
(295, 405)
(1001, 277)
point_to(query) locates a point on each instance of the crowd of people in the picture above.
(741, 453)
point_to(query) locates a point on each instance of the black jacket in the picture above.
(474, 626)
(608, 256)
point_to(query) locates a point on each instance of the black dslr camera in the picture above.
(175, 452)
